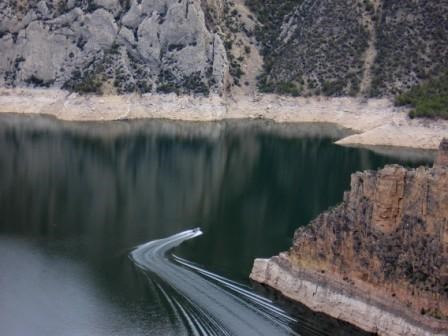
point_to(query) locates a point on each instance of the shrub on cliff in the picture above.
(90, 83)
(283, 88)
(430, 99)
(287, 88)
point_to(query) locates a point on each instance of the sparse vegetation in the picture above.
(192, 84)
(331, 88)
(270, 14)
(284, 88)
(324, 56)
(288, 88)
(404, 56)
(429, 100)
(89, 84)
(35, 81)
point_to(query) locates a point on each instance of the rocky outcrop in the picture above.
(111, 46)
(378, 260)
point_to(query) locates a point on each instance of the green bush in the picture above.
(283, 88)
(429, 100)
(89, 84)
(332, 88)
(287, 88)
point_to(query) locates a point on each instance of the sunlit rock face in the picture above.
(134, 46)
(387, 241)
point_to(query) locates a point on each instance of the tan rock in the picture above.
(388, 242)
(442, 156)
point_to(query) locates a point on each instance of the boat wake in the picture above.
(207, 304)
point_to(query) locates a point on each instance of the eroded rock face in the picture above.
(136, 46)
(391, 231)
(442, 157)
(388, 240)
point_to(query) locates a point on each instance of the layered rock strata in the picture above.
(379, 260)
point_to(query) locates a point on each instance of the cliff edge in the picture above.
(379, 260)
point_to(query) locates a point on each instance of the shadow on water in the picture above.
(88, 193)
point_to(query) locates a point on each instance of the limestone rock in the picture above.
(133, 17)
(126, 37)
(148, 40)
(112, 6)
(135, 46)
(101, 29)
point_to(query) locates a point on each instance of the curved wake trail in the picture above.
(211, 305)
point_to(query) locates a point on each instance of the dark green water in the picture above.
(75, 199)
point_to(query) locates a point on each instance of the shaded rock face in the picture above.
(135, 46)
(390, 232)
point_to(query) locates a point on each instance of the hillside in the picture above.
(428, 99)
(369, 47)
(293, 47)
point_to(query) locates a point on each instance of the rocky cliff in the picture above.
(120, 46)
(126, 45)
(378, 260)
(308, 47)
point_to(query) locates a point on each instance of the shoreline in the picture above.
(333, 297)
(376, 122)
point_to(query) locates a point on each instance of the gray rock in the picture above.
(70, 4)
(126, 37)
(140, 47)
(42, 9)
(112, 6)
(43, 54)
(133, 17)
(101, 29)
(149, 40)
(220, 63)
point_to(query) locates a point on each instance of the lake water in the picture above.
(76, 199)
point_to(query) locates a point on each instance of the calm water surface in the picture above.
(76, 199)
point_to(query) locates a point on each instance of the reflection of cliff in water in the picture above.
(248, 185)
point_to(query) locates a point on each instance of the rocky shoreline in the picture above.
(376, 121)
(378, 260)
(339, 299)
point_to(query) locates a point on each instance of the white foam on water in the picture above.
(211, 304)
